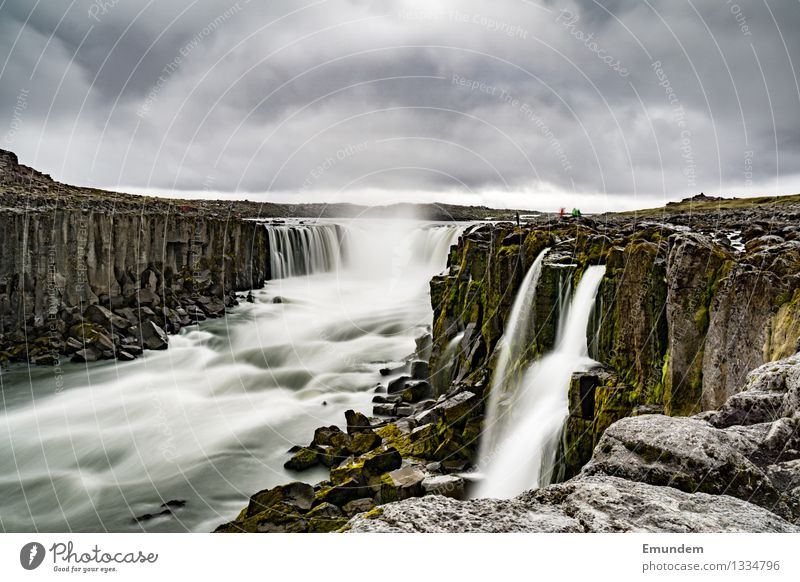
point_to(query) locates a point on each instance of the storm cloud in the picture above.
(534, 104)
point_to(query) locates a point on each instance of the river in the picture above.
(209, 421)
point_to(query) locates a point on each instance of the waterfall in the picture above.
(523, 456)
(300, 249)
(513, 344)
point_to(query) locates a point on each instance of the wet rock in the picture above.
(88, 354)
(303, 459)
(105, 318)
(356, 422)
(416, 391)
(296, 495)
(398, 384)
(419, 370)
(153, 337)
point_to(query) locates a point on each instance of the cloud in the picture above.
(612, 103)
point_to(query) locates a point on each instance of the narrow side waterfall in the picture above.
(524, 454)
(300, 249)
(515, 340)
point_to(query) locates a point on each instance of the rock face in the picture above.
(680, 318)
(593, 504)
(155, 271)
(735, 470)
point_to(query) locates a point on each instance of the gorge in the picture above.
(636, 361)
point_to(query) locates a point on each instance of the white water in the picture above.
(301, 249)
(513, 344)
(525, 451)
(210, 420)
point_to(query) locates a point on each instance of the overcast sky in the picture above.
(531, 104)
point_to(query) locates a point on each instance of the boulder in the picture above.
(303, 459)
(153, 337)
(363, 442)
(356, 422)
(105, 318)
(588, 504)
(687, 454)
(351, 508)
(398, 384)
(402, 483)
(296, 495)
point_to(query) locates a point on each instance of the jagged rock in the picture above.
(687, 454)
(771, 391)
(356, 422)
(592, 504)
(419, 370)
(153, 337)
(324, 435)
(105, 318)
(402, 483)
(416, 391)
(297, 495)
(398, 384)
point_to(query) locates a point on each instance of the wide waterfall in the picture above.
(523, 454)
(210, 420)
(303, 249)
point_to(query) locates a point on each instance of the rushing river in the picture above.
(209, 421)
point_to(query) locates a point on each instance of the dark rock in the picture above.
(303, 459)
(105, 318)
(416, 391)
(419, 370)
(398, 384)
(296, 495)
(358, 506)
(88, 354)
(153, 337)
(356, 422)
(447, 485)
(363, 442)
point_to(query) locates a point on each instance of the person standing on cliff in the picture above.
(517, 219)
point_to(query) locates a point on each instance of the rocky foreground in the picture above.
(734, 470)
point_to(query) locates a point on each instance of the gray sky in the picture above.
(535, 104)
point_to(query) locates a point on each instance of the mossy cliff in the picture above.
(681, 315)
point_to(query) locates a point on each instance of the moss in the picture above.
(374, 513)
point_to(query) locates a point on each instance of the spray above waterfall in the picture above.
(524, 449)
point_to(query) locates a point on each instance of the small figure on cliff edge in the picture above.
(518, 219)
(576, 213)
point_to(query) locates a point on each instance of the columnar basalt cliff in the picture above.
(91, 280)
